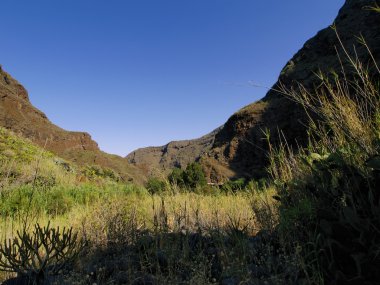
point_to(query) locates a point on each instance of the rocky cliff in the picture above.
(19, 115)
(239, 148)
(174, 154)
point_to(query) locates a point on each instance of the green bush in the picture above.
(58, 202)
(192, 177)
(96, 171)
(207, 190)
(176, 177)
(234, 185)
(156, 186)
(16, 200)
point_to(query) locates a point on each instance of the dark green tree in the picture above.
(194, 176)
(155, 185)
(176, 177)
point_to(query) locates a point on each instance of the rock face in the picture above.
(239, 148)
(174, 154)
(20, 116)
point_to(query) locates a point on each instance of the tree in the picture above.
(155, 185)
(194, 176)
(176, 177)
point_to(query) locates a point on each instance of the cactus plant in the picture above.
(43, 252)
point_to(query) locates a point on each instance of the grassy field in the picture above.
(178, 236)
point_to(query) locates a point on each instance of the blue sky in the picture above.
(137, 73)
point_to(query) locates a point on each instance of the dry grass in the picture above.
(344, 109)
(183, 211)
(331, 183)
(178, 237)
(169, 225)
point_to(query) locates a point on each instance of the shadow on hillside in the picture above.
(282, 118)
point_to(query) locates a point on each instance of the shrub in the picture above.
(96, 171)
(234, 185)
(176, 177)
(156, 186)
(194, 176)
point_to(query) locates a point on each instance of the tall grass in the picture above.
(177, 236)
(329, 191)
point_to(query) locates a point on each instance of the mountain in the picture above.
(239, 148)
(174, 154)
(19, 115)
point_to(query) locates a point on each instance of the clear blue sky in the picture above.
(137, 73)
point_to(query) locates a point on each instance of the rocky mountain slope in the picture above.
(239, 148)
(174, 154)
(19, 115)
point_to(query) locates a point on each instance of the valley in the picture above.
(286, 191)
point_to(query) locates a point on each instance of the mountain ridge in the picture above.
(173, 154)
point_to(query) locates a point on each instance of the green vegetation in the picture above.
(235, 185)
(156, 186)
(13, 148)
(192, 177)
(157, 232)
(95, 171)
